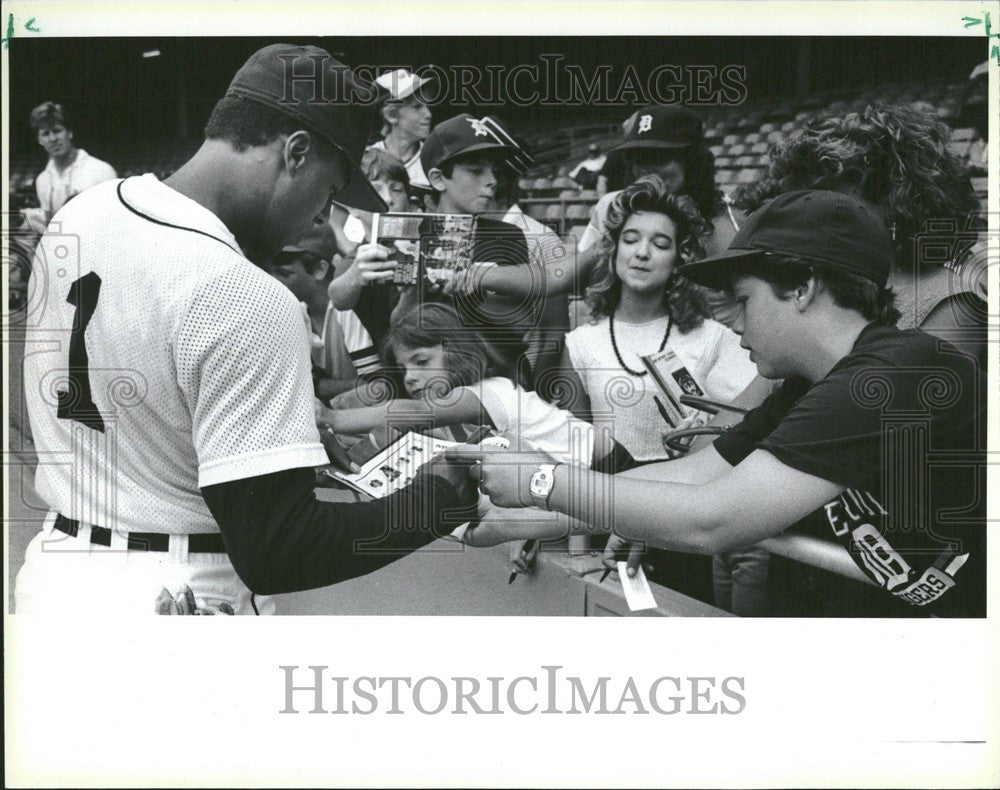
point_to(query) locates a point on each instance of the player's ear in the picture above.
(320, 269)
(296, 150)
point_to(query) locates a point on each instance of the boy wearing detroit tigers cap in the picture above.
(873, 433)
(186, 399)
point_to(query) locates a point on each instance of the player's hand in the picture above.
(336, 452)
(374, 264)
(523, 562)
(184, 604)
(469, 280)
(504, 475)
(621, 549)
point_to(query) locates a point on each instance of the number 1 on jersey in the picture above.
(77, 403)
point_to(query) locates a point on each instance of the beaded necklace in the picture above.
(614, 343)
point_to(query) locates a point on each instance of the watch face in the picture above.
(541, 482)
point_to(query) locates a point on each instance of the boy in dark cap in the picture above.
(874, 434)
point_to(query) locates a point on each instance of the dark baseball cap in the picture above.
(814, 224)
(319, 240)
(325, 96)
(462, 134)
(663, 126)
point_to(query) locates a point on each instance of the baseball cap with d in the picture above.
(663, 126)
(462, 134)
(814, 224)
(325, 96)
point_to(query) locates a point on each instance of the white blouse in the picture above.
(711, 353)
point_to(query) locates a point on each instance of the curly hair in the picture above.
(468, 357)
(895, 156)
(698, 164)
(684, 300)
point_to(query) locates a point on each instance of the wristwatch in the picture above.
(541, 485)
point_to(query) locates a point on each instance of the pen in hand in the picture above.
(663, 411)
(529, 545)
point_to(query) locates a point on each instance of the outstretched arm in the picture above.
(459, 406)
(564, 270)
(754, 500)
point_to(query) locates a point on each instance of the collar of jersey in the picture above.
(148, 196)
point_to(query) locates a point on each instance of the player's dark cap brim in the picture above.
(632, 144)
(359, 193)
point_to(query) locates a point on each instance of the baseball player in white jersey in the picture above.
(168, 378)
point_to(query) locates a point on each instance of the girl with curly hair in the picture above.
(896, 159)
(641, 305)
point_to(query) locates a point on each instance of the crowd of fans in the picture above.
(495, 345)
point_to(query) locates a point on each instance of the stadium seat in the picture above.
(567, 193)
(980, 184)
(576, 231)
(554, 211)
(524, 184)
(578, 211)
(588, 194)
(565, 182)
(959, 147)
(724, 176)
(749, 175)
(542, 183)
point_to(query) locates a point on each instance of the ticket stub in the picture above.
(638, 595)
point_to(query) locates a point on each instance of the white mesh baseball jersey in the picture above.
(159, 359)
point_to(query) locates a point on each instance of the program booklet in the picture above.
(432, 246)
(674, 380)
(395, 466)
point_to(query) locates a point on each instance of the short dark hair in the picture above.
(46, 115)
(309, 261)
(378, 165)
(244, 124)
(785, 273)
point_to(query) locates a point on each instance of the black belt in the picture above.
(198, 543)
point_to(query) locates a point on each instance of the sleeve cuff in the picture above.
(278, 459)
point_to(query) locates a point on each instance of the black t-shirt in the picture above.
(503, 321)
(374, 309)
(616, 171)
(901, 423)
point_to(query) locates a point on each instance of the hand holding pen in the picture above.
(621, 549)
(522, 557)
